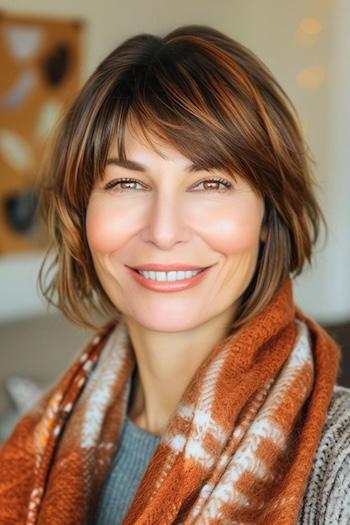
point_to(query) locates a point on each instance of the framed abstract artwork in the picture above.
(40, 74)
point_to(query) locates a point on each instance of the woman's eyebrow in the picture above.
(136, 166)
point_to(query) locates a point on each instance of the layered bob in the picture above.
(216, 102)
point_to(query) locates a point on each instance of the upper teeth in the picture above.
(168, 276)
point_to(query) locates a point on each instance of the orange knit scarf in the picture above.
(238, 448)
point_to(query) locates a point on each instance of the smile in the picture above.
(172, 281)
(169, 276)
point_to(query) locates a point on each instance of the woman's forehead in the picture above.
(140, 143)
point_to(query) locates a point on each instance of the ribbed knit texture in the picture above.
(238, 448)
(127, 468)
(327, 497)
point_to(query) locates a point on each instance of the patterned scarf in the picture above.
(238, 448)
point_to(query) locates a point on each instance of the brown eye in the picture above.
(119, 184)
(213, 184)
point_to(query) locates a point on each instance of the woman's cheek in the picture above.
(233, 231)
(107, 228)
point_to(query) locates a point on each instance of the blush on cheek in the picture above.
(234, 236)
(104, 232)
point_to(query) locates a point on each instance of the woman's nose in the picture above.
(166, 222)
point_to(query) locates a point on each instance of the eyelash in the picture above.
(115, 182)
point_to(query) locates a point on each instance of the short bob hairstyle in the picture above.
(219, 105)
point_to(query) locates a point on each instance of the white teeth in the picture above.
(168, 276)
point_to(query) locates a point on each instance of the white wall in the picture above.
(269, 28)
(19, 297)
(326, 289)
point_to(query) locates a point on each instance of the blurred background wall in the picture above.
(306, 45)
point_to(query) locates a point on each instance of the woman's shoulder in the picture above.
(327, 496)
(337, 424)
(339, 405)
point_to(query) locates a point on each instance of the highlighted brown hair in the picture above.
(219, 105)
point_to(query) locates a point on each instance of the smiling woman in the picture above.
(221, 113)
(180, 203)
(168, 218)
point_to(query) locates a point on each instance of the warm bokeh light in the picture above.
(311, 77)
(310, 26)
(308, 31)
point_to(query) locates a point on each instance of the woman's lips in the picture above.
(168, 286)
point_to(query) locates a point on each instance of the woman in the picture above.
(180, 203)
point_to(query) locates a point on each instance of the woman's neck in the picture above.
(165, 365)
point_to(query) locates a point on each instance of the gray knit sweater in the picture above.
(327, 496)
(126, 471)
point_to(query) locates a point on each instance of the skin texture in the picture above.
(168, 216)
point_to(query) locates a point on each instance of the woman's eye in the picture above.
(214, 184)
(209, 185)
(116, 184)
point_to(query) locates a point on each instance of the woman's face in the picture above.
(171, 215)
